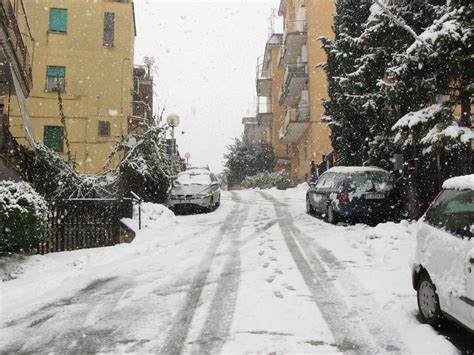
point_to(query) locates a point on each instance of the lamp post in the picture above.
(173, 122)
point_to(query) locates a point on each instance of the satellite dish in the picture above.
(173, 120)
(187, 155)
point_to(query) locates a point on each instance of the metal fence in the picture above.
(84, 223)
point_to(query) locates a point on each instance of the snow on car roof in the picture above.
(354, 169)
(465, 182)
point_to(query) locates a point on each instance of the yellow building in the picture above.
(304, 83)
(83, 52)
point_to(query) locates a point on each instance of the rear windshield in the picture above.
(454, 211)
(370, 179)
(193, 178)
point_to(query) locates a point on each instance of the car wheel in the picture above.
(428, 301)
(331, 216)
(309, 207)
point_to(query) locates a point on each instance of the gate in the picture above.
(83, 223)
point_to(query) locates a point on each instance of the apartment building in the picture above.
(16, 46)
(83, 77)
(304, 83)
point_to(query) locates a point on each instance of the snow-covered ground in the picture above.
(257, 275)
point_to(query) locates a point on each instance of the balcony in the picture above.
(296, 121)
(294, 82)
(264, 114)
(295, 36)
(13, 51)
(264, 80)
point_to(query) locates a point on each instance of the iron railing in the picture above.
(10, 25)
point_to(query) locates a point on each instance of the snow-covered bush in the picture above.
(23, 213)
(268, 180)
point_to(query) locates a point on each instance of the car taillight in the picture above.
(343, 197)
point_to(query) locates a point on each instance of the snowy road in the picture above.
(257, 275)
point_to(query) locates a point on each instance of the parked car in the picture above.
(195, 187)
(443, 274)
(352, 192)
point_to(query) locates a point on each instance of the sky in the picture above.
(206, 53)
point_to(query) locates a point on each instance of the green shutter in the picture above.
(53, 137)
(58, 20)
(56, 71)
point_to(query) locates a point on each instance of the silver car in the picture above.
(195, 187)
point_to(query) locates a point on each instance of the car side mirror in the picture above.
(215, 183)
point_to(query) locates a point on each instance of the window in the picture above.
(104, 128)
(453, 211)
(54, 137)
(58, 20)
(109, 29)
(55, 78)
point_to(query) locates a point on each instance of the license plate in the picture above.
(374, 196)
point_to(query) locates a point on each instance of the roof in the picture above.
(354, 169)
(465, 182)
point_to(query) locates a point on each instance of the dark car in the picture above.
(362, 193)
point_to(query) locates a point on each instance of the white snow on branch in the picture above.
(453, 132)
(414, 118)
(447, 26)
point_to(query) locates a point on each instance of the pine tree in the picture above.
(438, 74)
(342, 111)
(248, 158)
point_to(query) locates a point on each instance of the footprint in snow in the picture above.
(271, 279)
(266, 265)
(261, 253)
(278, 294)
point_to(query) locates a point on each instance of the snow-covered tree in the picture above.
(437, 71)
(248, 158)
(145, 167)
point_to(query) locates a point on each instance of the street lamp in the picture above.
(173, 122)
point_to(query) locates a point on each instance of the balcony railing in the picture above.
(297, 26)
(9, 24)
(294, 83)
(264, 80)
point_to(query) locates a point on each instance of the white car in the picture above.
(195, 187)
(443, 275)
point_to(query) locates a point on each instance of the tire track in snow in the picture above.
(221, 312)
(178, 332)
(352, 329)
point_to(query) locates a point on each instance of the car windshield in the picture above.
(454, 211)
(193, 178)
(369, 180)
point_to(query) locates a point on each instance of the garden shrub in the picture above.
(23, 213)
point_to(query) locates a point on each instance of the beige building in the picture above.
(82, 70)
(304, 83)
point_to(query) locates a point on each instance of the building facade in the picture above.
(83, 77)
(142, 97)
(305, 83)
(293, 85)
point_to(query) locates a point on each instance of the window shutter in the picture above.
(109, 29)
(53, 137)
(58, 20)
